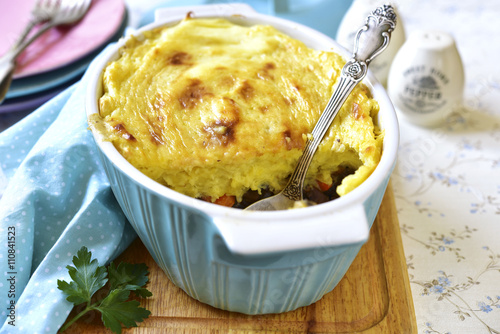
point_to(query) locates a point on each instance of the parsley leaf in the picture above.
(88, 277)
(129, 276)
(115, 310)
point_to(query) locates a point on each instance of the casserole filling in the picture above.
(222, 112)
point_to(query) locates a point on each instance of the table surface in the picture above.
(446, 184)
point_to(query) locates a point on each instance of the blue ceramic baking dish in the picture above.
(248, 262)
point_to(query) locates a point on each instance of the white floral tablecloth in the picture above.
(447, 179)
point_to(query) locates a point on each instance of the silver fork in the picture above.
(50, 13)
(42, 11)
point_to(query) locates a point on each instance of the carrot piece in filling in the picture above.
(323, 186)
(226, 200)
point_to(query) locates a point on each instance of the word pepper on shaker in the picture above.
(426, 79)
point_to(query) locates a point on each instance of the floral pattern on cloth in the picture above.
(447, 182)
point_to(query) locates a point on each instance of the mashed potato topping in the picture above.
(211, 108)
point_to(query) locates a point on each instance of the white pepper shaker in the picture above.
(426, 78)
(354, 18)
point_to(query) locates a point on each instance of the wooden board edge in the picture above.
(401, 316)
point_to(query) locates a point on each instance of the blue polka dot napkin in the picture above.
(55, 198)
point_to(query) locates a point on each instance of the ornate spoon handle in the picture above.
(369, 42)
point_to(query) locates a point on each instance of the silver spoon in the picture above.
(53, 13)
(369, 42)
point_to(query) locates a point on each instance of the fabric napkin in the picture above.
(56, 198)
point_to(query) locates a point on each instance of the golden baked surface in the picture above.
(210, 108)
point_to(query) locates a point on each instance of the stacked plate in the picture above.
(60, 56)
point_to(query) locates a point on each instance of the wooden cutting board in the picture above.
(373, 297)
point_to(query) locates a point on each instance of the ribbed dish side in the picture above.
(275, 290)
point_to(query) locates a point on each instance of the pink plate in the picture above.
(62, 45)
